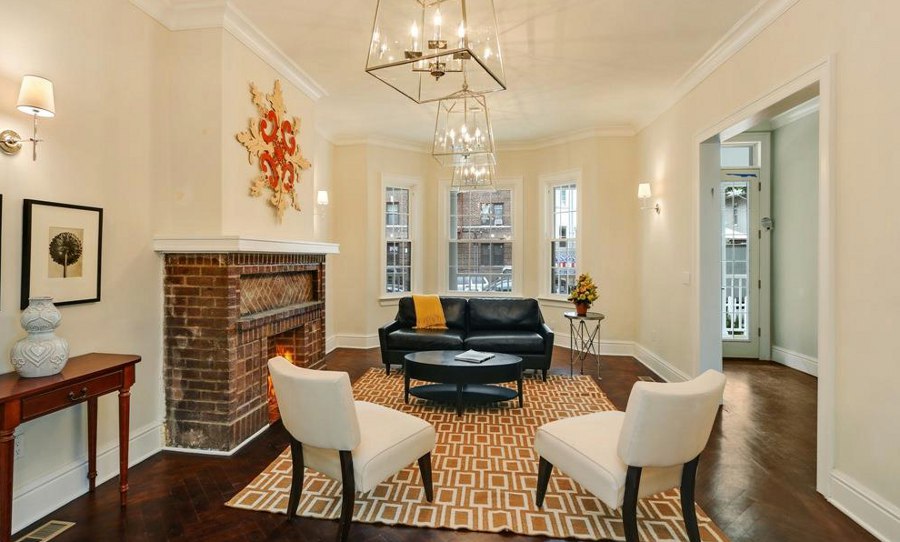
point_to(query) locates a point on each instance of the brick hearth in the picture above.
(226, 314)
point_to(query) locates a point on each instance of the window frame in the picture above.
(413, 184)
(548, 182)
(516, 214)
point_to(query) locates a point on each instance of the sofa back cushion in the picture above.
(454, 312)
(504, 313)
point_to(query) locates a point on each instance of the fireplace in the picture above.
(226, 314)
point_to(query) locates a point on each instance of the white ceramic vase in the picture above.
(41, 353)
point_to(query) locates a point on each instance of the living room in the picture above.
(603, 97)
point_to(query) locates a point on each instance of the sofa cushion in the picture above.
(506, 342)
(504, 314)
(454, 312)
(415, 340)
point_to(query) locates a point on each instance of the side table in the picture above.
(83, 380)
(584, 333)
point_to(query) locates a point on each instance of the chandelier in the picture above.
(430, 49)
(474, 174)
(463, 129)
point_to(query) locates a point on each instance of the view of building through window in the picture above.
(398, 241)
(564, 220)
(480, 241)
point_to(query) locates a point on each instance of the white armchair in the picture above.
(361, 444)
(653, 446)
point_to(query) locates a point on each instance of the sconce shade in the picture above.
(322, 197)
(644, 190)
(36, 96)
(429, 49)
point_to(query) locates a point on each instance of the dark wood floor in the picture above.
(756, 480)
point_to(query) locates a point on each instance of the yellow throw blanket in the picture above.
(429, 312)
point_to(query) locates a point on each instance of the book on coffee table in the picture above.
(473, 356)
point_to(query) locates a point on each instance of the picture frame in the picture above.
(62, 247)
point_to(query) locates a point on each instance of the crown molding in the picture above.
(607, 131)
(796, 113)
(389, 143)
(180, 15)
(743, 32)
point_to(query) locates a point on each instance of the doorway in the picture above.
(817, 81)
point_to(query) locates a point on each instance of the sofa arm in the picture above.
(547, 333)
(386, 330)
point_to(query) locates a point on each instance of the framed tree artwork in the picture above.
(61, 252)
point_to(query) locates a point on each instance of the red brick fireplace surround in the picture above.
(226, 314)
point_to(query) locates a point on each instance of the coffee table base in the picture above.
(462, 394)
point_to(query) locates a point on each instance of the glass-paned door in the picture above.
(740, 257)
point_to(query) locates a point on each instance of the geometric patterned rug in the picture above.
(484, 473)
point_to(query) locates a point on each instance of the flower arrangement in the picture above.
(584, 292)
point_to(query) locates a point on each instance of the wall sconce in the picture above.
(35, 99)
(321, 202)
(644, 195)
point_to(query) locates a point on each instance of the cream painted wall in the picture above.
(867, 377)
(795, 181)
(609, 209)
(105, 148)
(242, 214)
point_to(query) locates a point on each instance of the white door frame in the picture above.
(707, 345)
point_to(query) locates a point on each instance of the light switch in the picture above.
(686, 278)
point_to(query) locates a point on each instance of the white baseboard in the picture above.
(865, 507)
(606, 348)
(359, 342)
(658, 365)
(46, 494)
(220, 453)
(795, 360)
(330, 344)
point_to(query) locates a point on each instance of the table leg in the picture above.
(92, 443)
(7, 455)
(406, 387)
(124, 404)
(519, 384)
(571, 349)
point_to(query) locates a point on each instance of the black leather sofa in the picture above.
(504, 325)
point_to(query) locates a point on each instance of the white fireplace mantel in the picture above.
(236, 243)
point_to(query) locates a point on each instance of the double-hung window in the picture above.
(560, 241)
(399, 238)
(480, 241)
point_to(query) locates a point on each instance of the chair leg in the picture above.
(545, 469)
(629, 505)
(688, 482)
(425, 471)
(348, 497)
(296, 478)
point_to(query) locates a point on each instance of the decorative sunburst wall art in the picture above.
(272, 140)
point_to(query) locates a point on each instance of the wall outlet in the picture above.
(19, 446)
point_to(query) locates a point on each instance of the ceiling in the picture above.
(571, 65)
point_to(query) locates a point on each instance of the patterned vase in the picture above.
(41, 353)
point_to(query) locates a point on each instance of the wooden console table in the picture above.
(82, 380)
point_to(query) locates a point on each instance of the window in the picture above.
(563, 203)
(398, 244)
(480, 241)
(738, 156)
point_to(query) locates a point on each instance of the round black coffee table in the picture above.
(460, 381)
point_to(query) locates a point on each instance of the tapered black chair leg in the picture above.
(688, 482)
(348, 497)
(425, 471)
(545, 469)
(296, 478)
(629, 505)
